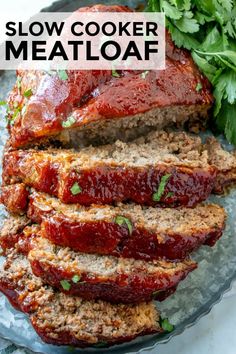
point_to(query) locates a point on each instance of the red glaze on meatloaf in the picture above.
(95, 96)
(127, 230)
(167, 169)
(22, 243)
(65, 320)
(15, 198)
(103, 277)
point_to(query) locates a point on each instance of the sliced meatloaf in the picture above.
(92, 276)
(92, 104)
(68, 320)
(166, 168)
(22, 243)
(12, 231)
(127, 230)
(15, 198)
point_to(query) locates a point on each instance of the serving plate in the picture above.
(195, 296)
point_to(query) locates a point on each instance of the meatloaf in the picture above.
(225, 162)
(95, 105)
(163, 168)
(127, 230)
(15, 197)
(66, 320)
(12, 231)
(92, 276)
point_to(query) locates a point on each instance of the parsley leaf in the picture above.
(75, 189)
(114, 73)
(28, 93)
(76, 279)
(69, 122)
(144, 74)
(161, 188)
(3, 103)
(18, 82)
(62, 74)
(65, 285)
(198, 87)
(166, 325)
(170, 194)
(121, 220)
(208, 30)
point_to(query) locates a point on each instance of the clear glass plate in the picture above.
(195, 296)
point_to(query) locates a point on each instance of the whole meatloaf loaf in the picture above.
(92, 276)
(97, 106)
(126, 230)
(66, 320)
(166, 168)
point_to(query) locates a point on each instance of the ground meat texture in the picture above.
(15, 198)
(12, 231)
(176, 162)
(127, 230)
(66, 320)
(104, 277)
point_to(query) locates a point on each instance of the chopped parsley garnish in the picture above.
(121, 220)
(15, 113)
(76, 279)
(69, 122)
(198, 87)
(62, 74)
(75, 189)
(115, 73)
(144, 74)
(28, 93)
(169, 194)
(161, 188)
(166, 325)
(18, 82)
(65, 284)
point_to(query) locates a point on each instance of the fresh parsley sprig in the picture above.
(208, 30)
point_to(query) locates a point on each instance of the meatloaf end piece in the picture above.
(164, 168)
(66, 320)
(109, 278)
(102, 107)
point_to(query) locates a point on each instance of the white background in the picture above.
(216, 332)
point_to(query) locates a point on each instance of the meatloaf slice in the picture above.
(68, 320)
(92, 104)
(166, 168)
(12, 231)
(93, 276)
(15, 198)
(127, 230)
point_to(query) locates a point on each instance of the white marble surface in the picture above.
(215, 333)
